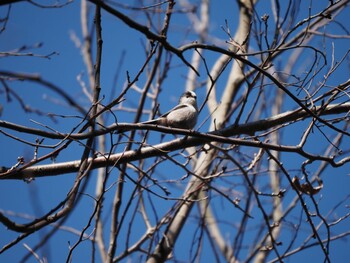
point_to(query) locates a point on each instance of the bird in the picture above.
(183, 116)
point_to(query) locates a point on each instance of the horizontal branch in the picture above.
(8, 2)
(248, 128)
(193, 138)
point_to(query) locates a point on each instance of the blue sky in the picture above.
(53, 29)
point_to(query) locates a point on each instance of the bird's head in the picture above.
(189, 97)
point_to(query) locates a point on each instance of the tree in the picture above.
(261, 177)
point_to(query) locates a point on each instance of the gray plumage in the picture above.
(183, 116)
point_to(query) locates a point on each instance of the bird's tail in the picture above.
(150, 122)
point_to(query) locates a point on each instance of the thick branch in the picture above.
(248, 128)
(195, 139)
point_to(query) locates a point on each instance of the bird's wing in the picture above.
(173, 109)
(154, 121)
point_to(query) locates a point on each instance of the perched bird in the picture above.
(183, 116)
